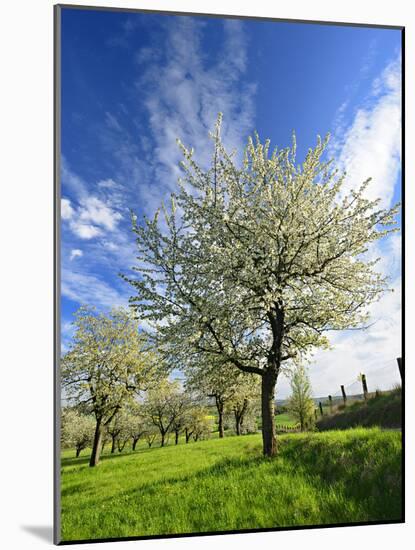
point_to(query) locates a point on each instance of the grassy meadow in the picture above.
(226, 484)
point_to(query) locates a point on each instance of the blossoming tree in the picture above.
(106, 367)
(252, 264)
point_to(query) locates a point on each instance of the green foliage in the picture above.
(225, 484)
(301, 404)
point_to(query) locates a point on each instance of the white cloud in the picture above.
(183, 95)
(108, 184)
(84, 230)
(97, 212)
(371, 146)
(92, 216)
(66, 209)
(88, 289)
(76, 253)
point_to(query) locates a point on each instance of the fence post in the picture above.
(364, 385)
(320, 407)
(344, 394)
(399, 359)
(330, 404)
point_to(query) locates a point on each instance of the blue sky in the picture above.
(132, 83)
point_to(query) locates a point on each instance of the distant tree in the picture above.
(108, 363)
(179, 422)
(202, 428)
(244, 399)
(197, 423)
(254, 262)
(151, 432)
(163, 405)
(119, 430)
(77, 430)
(301, 404)
(136, 425)
(221, 384)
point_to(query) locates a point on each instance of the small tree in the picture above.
(119, 430)
(77, 430)
(108, 363)
(243, 400)
(220, 383)
(257, 261)
(180, 420)
(203, 426)
(151, 432)
(300, 404)
(136, 425)
(197, 423)
(163, 405)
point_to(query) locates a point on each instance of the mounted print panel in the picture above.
(229, 348)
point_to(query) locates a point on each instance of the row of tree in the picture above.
(166, 410)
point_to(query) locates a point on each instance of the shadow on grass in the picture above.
(365, 470)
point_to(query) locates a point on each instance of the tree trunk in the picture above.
(237, 424)
(135, 441)
(113, 445)
(96, 446)
(219, 406)
(269, 379)
(78, 452)
(163, 435)
(188, 435)
(176, 441)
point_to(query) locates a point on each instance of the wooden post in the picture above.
(320, 407)
(364, 385)
(330, 404)
(399, 359)
(344, 394)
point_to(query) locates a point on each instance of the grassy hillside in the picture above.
(384, 410)
(320, 478)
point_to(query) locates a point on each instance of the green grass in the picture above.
(216, 485)
(384, 410)
(285, 419)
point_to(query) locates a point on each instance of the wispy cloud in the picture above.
(183, 93)
(91, 216)
(66, 209)
(371, 145)
(88, 289)
(75, 253)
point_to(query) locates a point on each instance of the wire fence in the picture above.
(365, 384)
